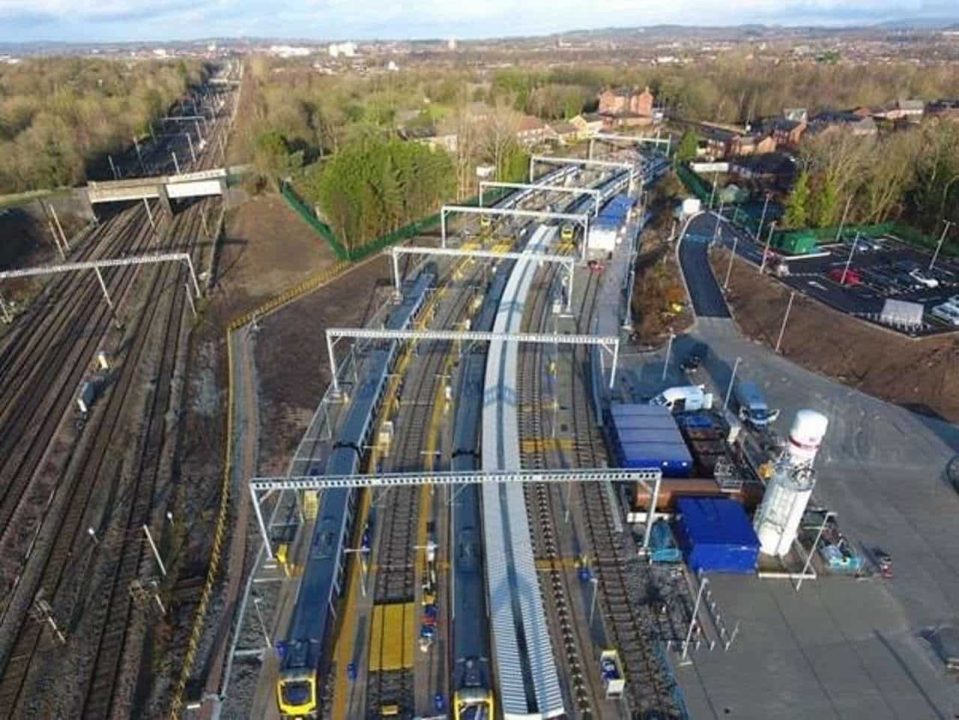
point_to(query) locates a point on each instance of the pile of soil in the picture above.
(918, 374)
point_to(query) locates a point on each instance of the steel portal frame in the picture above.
(581, 218)
(544, 188)
(568, 263)
(613, 137)
(98, 265)
(609, 343)
(262, 487)
(533, 159)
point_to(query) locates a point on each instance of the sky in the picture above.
(120, 20)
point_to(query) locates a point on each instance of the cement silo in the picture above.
(788, 491)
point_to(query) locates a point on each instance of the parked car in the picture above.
(852, 277)
(923, 279)
(695, 358)
(947, 312)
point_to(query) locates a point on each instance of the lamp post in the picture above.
(732, 379)
(762, 218)
(852, 251)
(769, 238)
(732, 256)
(703, 581)
(935, 255)
(782, 329)
(669, 349)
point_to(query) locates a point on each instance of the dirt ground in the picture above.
(658, 289)
(291, 358)
(266, 248)
(919, 374)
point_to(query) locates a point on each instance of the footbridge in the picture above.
(165, 187)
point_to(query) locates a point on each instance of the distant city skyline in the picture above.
(159, 20)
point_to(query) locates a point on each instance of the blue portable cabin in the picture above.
(646, 436)
(715, 535)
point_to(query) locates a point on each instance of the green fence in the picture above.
(693, 182)
(404, 233)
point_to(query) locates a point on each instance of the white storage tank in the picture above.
(788, 491)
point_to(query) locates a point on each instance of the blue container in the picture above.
(662, 544)
(673, 459)
(715, 535)
(646, 436)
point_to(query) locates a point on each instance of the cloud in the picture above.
(175, 19)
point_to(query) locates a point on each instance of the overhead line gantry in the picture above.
(98, 265)
(582, 219)
(552, 159)
(597, 195)
(262, 487)
(610, 344)
(568, 262)
(638, 140)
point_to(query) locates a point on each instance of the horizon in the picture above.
(158, 21)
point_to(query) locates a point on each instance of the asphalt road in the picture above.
(706, 296)
(840, 648)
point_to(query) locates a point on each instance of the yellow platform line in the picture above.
(531, 445)
(558, 564)
(347, 637)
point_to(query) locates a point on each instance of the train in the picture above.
(308, 634)
(471, 675)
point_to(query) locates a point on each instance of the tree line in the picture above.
(57, 115)
(910, 174)
(375, 185)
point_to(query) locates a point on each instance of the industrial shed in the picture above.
(715, 535)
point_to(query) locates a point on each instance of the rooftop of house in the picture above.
(774, 163)
(530, 122)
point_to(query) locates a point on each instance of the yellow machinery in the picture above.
(566, 234)
(471, 699)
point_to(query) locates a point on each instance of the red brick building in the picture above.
(626, 102)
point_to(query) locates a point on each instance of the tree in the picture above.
(797, 203)
(826, 204)
(374, 185)
(273, 157)
(688, 145)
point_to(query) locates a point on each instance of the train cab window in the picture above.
(297, 692)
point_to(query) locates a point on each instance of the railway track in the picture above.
(614, 560)
(395, 554)
(87, 585)
(542, 501)
(38, 410)
(97, 599)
